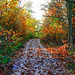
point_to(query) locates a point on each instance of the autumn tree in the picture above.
(70, 6)
(56, 21)
(9, 16)
(17, 18)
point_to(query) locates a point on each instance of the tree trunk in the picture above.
(70, 25)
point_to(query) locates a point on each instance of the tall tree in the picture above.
(69, 7)
(56, 17)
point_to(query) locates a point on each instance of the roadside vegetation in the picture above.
(56, 32)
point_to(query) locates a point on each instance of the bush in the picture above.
(29, 36)
(8, 45)
(4, 59)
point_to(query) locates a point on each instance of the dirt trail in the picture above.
(37, 62)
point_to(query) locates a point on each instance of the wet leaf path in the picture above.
(37, 62)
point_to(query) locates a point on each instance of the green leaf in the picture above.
(5, 60)
(71, 70)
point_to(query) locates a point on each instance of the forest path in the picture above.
(37, 62)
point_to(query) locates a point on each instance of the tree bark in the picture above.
(70, 26)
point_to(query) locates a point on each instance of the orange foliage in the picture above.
(61, 50)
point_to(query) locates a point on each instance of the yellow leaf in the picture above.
(13, 32)
(73, 8)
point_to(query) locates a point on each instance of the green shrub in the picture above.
(4, 59)
(29, 36)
